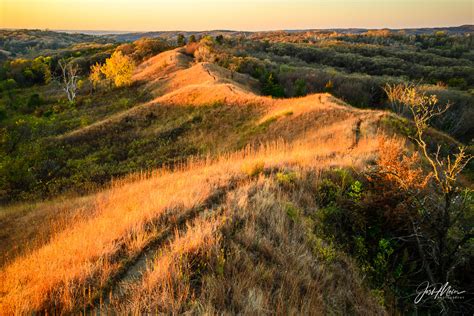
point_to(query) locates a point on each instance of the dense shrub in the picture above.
(26, 72)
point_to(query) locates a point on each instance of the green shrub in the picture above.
(34, 101)
(324, 250)
(8, 84)
(327, 192)
(343, 178)
(381, 261)
(270, 86)
(300, 87)
(379, 295)
(356, 191)
(3, 113)
(292, 211)
(286, 178)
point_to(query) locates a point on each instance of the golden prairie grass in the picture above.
(88, 254)
(25, 227)
(172, 70)
(250, 259)
(81, 260)
(161, 65)
(166, 285)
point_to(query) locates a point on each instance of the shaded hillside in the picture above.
(18, 43)
(172, 35)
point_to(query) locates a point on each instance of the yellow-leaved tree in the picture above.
(96, 76)
(118, 69)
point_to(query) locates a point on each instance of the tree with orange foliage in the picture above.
(400, 167)
(440, 216)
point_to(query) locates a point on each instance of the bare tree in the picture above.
(69, 78)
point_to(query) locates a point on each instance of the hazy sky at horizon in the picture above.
(148, 15)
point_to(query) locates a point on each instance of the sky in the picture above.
(251, 15)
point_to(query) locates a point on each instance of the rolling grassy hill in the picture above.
(232, 226)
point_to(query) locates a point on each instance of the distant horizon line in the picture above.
(110, 31)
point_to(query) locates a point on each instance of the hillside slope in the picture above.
(226, 234)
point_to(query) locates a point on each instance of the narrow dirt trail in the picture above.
(210, 74)
(177, 222)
